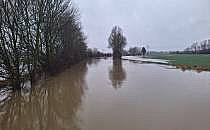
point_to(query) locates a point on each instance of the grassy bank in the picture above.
(186, 61)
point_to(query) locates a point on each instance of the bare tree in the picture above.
(34, 34)
(117, 42)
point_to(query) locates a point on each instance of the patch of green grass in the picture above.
(185, 59)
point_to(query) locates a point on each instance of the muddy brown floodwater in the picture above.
(112, 95)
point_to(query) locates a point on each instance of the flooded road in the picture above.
(113, 95)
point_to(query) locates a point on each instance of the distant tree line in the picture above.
(137, 51)
(94, 53)
(38, 36)
(134, 51)
(202, 47)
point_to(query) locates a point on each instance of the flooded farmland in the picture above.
(103, 94)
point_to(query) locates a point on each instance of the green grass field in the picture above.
(191, 60)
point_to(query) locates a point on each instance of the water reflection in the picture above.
(93, 61)
(54, 106)
(5, 95)
(117, 74)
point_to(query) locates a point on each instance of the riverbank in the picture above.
(198, 62)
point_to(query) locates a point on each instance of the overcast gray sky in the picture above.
(162, 24)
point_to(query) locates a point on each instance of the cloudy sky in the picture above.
(161, 24)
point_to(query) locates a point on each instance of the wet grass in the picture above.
(186, 61)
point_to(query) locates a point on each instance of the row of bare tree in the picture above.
(202, 47)
(38, 36)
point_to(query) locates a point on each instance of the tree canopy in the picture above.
(117, 41)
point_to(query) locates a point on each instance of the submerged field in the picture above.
(102, 94)
(186, 61)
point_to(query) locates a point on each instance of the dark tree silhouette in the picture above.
(117, 42)
(143, 51)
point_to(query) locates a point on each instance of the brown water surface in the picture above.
(112, 95)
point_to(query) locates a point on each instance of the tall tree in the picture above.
(117, 41)
(35, 35)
